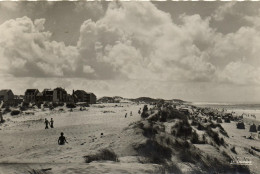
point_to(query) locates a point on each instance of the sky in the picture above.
(195, 51)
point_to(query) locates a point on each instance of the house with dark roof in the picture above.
(83, 96)
(71, 98)
(6, 96)
(59, 95)
(39, 97)
(18, 99)
(30, 95)
(47, 95)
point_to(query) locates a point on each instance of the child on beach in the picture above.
(62, 140)
(46, 123)
(51, 123)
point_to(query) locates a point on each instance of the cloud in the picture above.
(223, 10)
(137, 38)
(237, 45)
(253, 19)
(26, 50)
(95, 7)
(236, 56)
(12, 6)
(241, 73)
(134, 41)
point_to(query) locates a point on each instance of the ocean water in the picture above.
(246, 106)
(238, 108)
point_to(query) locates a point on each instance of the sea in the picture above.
(249, 109)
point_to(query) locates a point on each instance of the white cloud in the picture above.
(26, 50)
(87, 69)
(223, 10)
(137, 38)
(236, 56)
(139, 41)
(95, 7)
(241, 73)
(13, 6)
(253, 19)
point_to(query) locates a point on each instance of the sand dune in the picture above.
(25, 145)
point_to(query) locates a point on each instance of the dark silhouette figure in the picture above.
(46, 123)
(125, 115)
(1, 117)
(62, 140)
(51, 123)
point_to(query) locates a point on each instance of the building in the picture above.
(83, 96)
(47, 95)
(18, 99)
(30, 95)
(39, 97)
(59, 95)
(71, 98)
(91, 98)
(7, 96)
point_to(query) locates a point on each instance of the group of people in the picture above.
(47, 123)
(62, 139)
(131, 114)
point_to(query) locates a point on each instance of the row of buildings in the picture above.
(57, 95)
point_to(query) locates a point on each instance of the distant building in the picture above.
(7, 96)
(83, 96)
(18, 99)
(71, 98)
(91, 98)
(47, 95)
(39, 97)
(59, 95)
(30, 95)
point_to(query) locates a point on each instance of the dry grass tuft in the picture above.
(103, 155)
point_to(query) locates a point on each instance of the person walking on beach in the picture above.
(1, 117)
(51, 123)
(125, 115)
(46, 123)
(62, 140)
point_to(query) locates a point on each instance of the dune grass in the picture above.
(102, 155)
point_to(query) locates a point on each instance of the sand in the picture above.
(25, 144)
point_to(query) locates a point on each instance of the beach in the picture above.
(26, 145)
